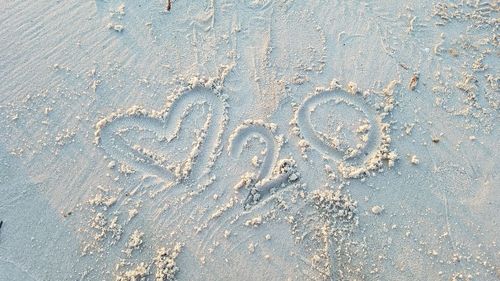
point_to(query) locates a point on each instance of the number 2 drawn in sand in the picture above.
(260, 185)
(272, 176)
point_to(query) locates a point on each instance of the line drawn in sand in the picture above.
(354, 160)
(10, 269)
(255, 5)
(164, 126)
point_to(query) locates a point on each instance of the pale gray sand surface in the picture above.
(249, 140)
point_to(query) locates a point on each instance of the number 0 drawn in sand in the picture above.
(164, 126)
(347, 105)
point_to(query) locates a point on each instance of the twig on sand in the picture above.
(413, 82)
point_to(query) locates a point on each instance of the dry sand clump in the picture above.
(166, 267)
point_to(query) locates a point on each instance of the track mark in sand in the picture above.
(163, 127)
(272, 176)
(293, 61)
(355, 158)
(10, 269)
(255, 5)
(324, 227)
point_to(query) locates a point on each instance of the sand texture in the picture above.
(249, 140)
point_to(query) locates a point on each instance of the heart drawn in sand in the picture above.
(151, 142)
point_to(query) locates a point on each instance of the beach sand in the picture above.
(249, 140)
